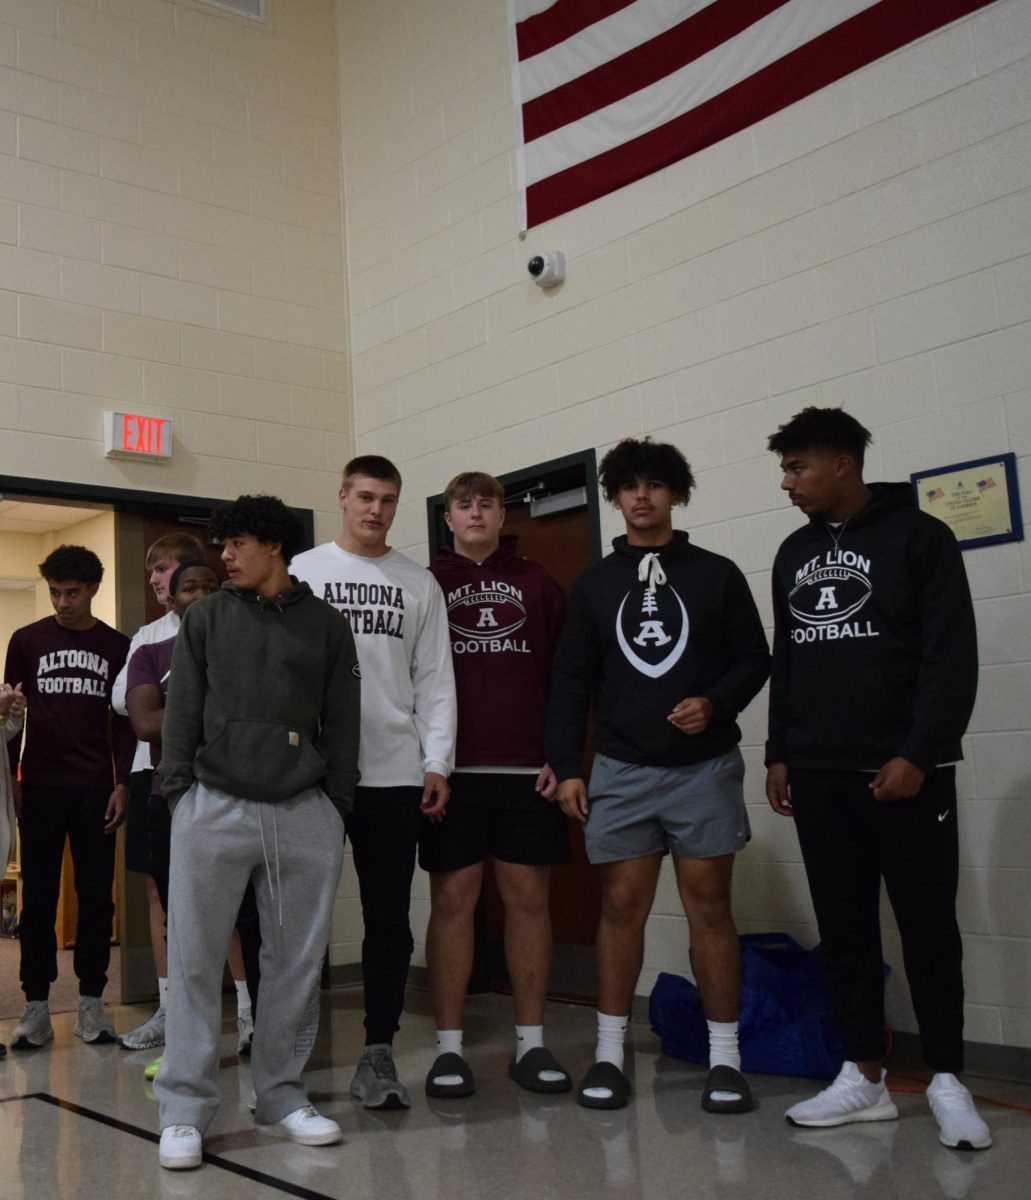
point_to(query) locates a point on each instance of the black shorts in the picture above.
(137, 854)
(495, 815)
(159, 844)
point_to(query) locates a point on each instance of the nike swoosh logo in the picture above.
(942, 816)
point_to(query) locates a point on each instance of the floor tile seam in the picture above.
(215, 1160)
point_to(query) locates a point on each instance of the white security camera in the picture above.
(547, 269)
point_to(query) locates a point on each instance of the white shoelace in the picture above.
(650, 571)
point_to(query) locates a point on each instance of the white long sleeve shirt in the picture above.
(397, 615)
(157, 631)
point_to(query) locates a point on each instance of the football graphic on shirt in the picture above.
(487, 614)
(652, 629)
(829, 594)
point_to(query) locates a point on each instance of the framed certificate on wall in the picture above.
(978, 500)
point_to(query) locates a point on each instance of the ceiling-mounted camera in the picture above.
(547, 269)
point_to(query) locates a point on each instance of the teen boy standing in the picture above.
(505, 615)
(874, 679)
(396, 611)
(67, 664)
(259, 761)
(667, 639)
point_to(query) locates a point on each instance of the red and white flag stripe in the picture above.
(608, 91)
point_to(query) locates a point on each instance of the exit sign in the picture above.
(129, 435)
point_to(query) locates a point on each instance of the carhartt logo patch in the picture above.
(293, 738)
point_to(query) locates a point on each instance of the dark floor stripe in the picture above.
(279, 1185)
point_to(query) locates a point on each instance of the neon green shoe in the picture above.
(151, 1069)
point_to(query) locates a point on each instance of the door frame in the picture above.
(130, 500)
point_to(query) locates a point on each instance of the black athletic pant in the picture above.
(384, 832)
(49, 815)
(849, 842)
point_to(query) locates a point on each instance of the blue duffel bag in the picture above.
(786, 1024)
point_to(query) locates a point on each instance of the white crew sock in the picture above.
(611, 1035)
(449, 1041)
(723, 1047)
(162, 992)
(243, 1000)
(528, 1037)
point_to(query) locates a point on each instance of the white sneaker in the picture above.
(147, 1036)
(851, 1097)
(180, 1147)
(93, 1024)
(34, 1028)
(959, 1124)
(306, 1126)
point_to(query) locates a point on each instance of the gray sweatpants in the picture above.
(293, 852)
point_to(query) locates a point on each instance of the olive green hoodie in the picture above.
(264, 698)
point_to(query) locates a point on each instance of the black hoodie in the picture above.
(649, 627)
(875, 649)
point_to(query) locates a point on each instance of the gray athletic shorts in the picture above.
(694, 812)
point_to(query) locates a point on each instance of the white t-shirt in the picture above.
(157, 631)
(397, 615)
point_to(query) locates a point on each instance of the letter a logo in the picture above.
(827, 599)
(652, 631)
(486, 620)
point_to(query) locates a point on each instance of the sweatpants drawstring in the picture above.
(276, 891)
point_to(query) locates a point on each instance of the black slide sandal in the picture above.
(605, 1075)
(450, 1064)
(726, 1079)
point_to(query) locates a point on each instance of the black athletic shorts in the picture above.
(495, 815)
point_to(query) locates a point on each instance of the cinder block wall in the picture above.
(171, 243)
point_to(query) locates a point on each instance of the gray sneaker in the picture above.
(148, 1035)
(34, 1028)
(375, 1082)
(244, 1036)
(93, 1024)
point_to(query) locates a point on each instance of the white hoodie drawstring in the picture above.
(276, 891)
(650, 571)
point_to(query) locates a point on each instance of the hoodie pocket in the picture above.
(261, 760)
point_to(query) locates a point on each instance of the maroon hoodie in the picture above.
(504, 617)
(71, 734)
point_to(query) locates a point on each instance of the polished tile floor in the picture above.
(79, 1122)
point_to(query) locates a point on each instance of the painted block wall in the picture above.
(171, 243)
(868, 247)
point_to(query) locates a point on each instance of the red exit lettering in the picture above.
(141, 435)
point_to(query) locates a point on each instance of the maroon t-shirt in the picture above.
(152, 663)
(71, 733)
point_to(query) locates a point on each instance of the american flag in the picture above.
(984, 484)
(935, 494)
(611, 90)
